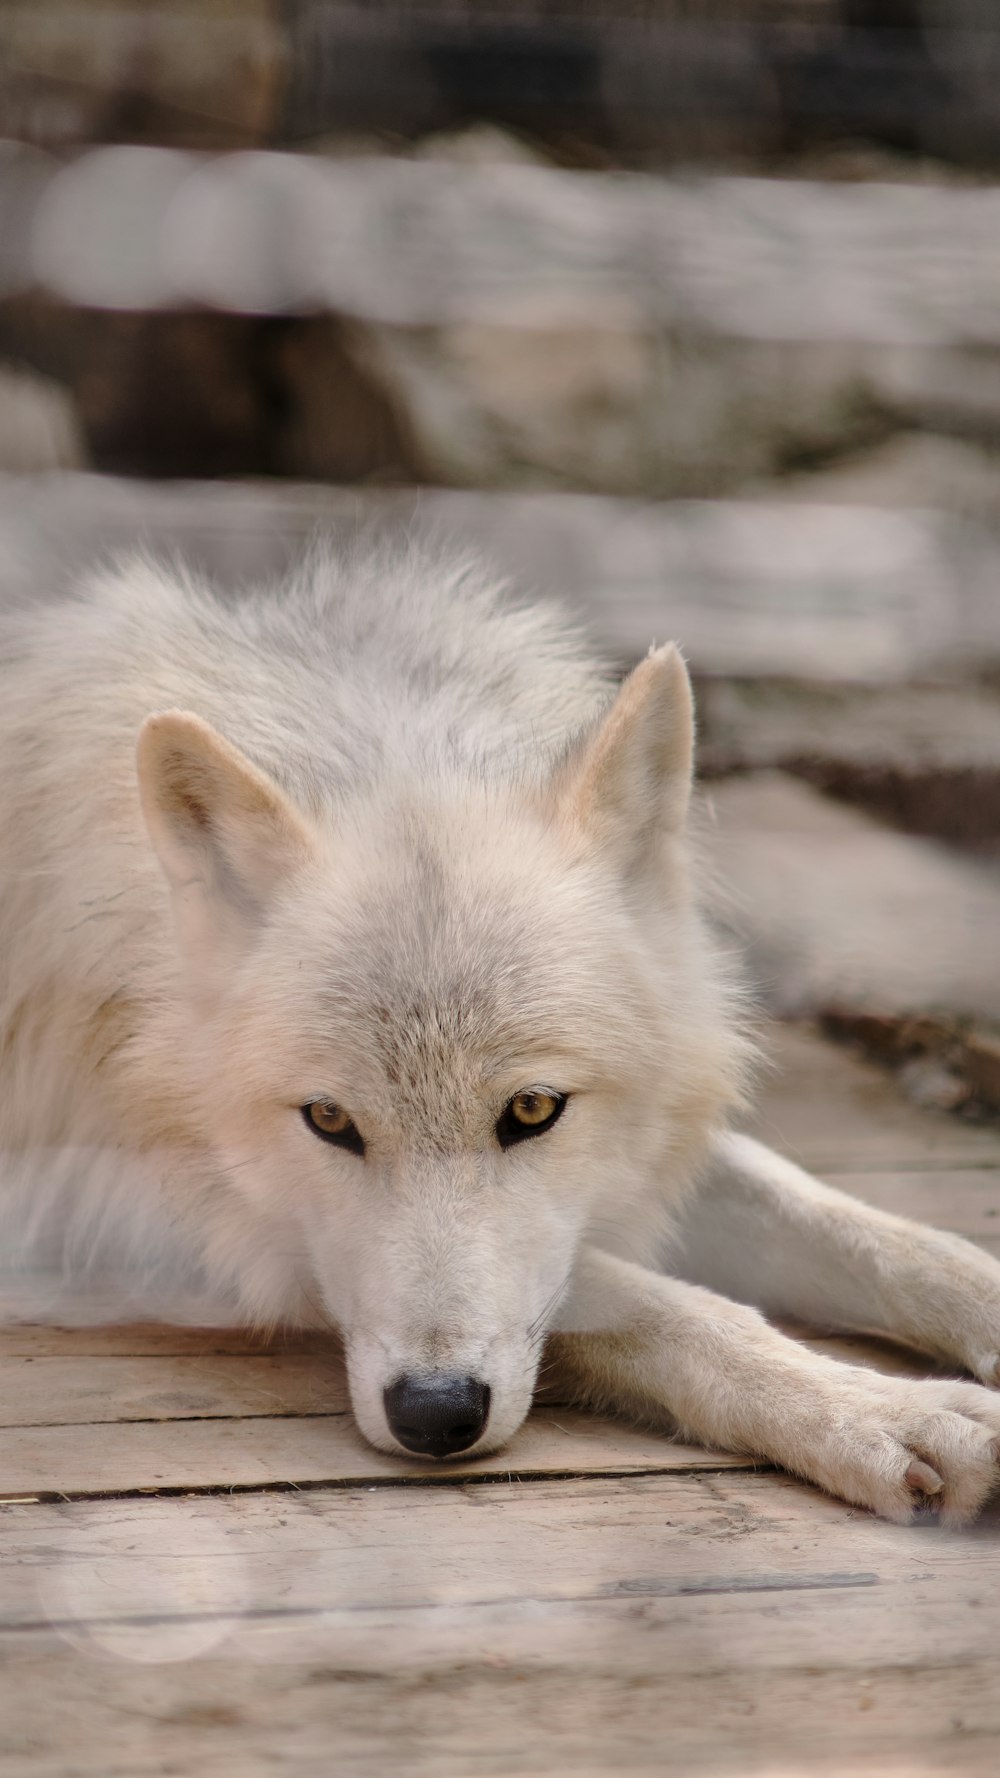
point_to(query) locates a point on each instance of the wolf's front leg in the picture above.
(763, 1231)
(627, 1339)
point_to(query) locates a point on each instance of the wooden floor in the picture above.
(206, 1571)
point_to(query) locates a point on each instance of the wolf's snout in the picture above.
(437, 1416)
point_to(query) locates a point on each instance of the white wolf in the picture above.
(381, 978)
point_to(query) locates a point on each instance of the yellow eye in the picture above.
(331, 1121)
(326, 1117)
(530, 1113)
(533, 1108)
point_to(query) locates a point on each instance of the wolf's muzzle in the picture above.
(437, 1415)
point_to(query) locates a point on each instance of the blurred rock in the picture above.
(195, 393)
(39, 425)
(329, 419)
(839, 912)
(723, 80)
(717, 81)
(165, 394)
(197, 73)
(982, 1064)
(488, 406)
(670, 336)
(907, 469)
(932, 1085)
(529, 326)
(924, 757)
(943, 1063)
(889, 941)
(24, 176)
(481, 145)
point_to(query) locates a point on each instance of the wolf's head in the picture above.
(445, 1033)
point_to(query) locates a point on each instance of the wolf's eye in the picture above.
(529, 1114)
(332, 1123)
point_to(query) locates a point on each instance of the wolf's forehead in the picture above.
(433, 1009)
(441, 1009)
(455, 963)
(445, 947)
(426, 1045)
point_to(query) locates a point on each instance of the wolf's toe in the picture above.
(963, 1454)
(921, 1479)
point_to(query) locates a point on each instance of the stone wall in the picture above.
(677, 78)
(471, 317)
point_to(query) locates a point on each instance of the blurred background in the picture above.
(686, 311)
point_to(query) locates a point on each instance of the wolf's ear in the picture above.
(225, 834)
(628, 783)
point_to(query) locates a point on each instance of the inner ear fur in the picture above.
(627, 784)
(218, 824)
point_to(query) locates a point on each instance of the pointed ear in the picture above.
(225, 834)
(628, 784)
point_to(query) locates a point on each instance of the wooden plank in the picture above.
(351, 1551)
(80, 1391)
(361, 1550)
(485, 1714)
(307, 1378)
(250, 1426)
(126, 1342)
(682, 1624)
(492, 1716)
(965, 1200)
(835, 1113)
(87, 1390)
(839, 915)
(153, 1339)
(260, 1453)
(40, 1294)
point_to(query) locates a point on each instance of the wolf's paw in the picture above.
(902, 1448)
(973, 1336)
(952, 1303)
(975, 1349)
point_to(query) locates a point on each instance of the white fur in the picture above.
(392, 841)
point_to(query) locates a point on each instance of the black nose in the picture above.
(437, 1415)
